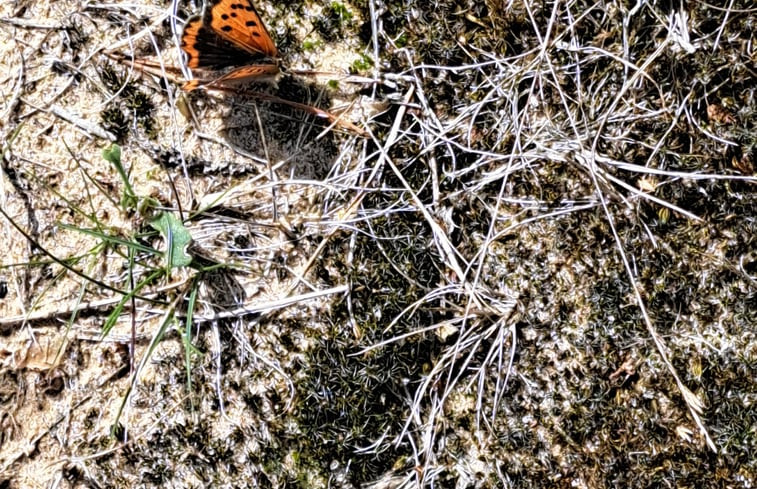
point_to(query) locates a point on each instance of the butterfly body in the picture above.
(229, 34)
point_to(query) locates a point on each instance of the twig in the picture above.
(88, 127)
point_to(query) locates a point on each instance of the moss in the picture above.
(130, 107)
(333, 21)
(348, 400)
(363, 63)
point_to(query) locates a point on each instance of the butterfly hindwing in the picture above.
(238, 76)
(238, 22)
(247, 74)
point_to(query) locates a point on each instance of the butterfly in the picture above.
(230, 43)
(230, 33)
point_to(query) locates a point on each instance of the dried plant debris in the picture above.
(457, 244)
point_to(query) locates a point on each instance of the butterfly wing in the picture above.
(238, 22)
(205, 49)
(239, 76)
(230, 34)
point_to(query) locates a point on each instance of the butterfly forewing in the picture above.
(238, 22)
(206, 49)
(230, 34)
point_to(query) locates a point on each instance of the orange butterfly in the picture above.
(230, 33)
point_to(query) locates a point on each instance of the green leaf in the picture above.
(112, 154)
(177, 239)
